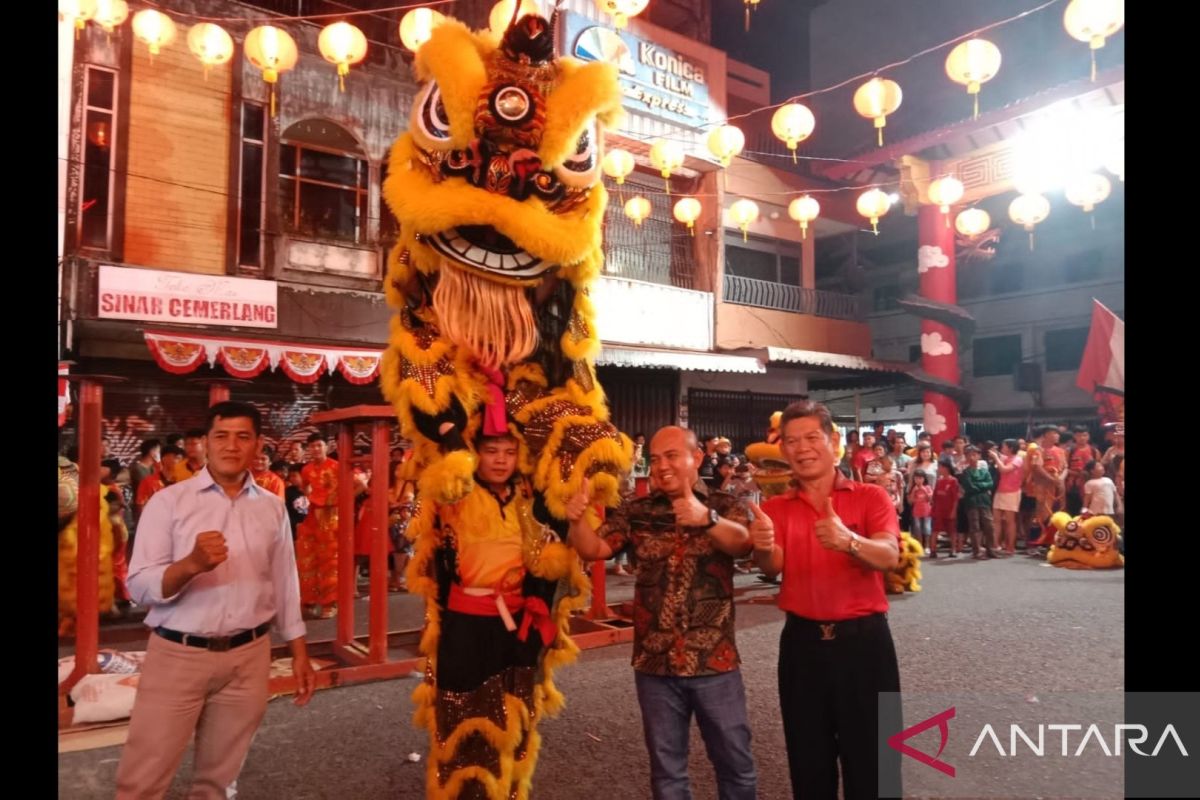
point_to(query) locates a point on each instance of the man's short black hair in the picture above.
(1080, 429)
(279, 466)
(171, 450)
(148, 445)
(1091, 465)
(230, 409)
(314, 437)
(114, 466)
(174, 439)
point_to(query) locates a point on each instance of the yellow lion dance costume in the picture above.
(68, 549)
(906, 577)
(1085, 542)
(496, 186)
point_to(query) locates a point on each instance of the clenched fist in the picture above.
(209, 551)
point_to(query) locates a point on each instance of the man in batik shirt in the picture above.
(685, 538)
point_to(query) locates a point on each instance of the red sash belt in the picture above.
(537, 614)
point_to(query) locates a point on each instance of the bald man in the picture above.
(685, 538)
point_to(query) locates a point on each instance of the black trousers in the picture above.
(828, 693)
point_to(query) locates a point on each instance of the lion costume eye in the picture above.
(580, 169)
(431, 123)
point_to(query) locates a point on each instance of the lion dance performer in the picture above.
(68, 549)
(496, 186)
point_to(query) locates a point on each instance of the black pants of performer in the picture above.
(472, 649)
(829, 698)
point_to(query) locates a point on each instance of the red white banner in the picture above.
(1103, 364)
(64, 392)
(186, 298)
(180, 354)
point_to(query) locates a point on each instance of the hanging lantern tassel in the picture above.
(973, 63)
(743, 212)
(1093, 21)
(687, 211)
(751, 5)
(945, 192)
(666, 156)
(273, 51)
(792, 123)
(877, 98)
(342, 70)
(1027, 210)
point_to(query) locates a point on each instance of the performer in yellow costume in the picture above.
(68, 548)
(497, 188)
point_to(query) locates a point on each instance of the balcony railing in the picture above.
(765, 294)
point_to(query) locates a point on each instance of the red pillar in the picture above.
(345, 556)
(939, 342)
(380, 439)
(87, 587)
(599, 601)
(217, 393)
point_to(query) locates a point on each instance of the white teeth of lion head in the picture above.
(520, 264)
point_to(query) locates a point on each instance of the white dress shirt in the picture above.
(257, 583)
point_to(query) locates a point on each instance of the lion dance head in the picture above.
(497, 189)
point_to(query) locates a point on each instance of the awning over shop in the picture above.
(678, 359)
(835, 361)
(245, 358)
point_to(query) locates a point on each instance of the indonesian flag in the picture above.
(1103, 364)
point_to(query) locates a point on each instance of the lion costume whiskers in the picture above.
(496, 186)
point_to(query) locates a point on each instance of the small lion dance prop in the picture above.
(1085, 542)
(906, 577)
(497, 189)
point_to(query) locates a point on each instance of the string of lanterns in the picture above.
(972, 63)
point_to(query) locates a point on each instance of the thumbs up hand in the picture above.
(762, 530)
(578, 504)
(830, 531)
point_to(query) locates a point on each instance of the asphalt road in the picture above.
(1012, 628)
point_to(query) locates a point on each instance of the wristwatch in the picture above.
(855, 543)
(713, 518)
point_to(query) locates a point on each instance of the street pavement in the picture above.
(1012, 626)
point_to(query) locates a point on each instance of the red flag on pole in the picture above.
(1103, 364)
(64, 392)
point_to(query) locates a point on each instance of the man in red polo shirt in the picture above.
(864, 456)
(832, 538)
